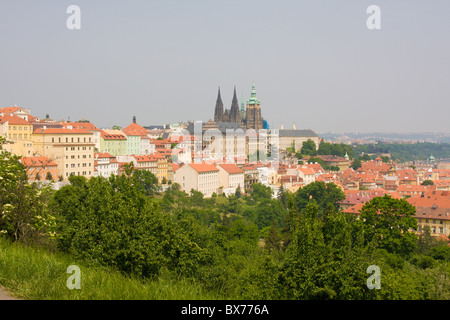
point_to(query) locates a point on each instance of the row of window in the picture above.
(71, 139)
(73, 157)
(73, 165)
(19, 127)
(84, 173)
(433, 229)
(434, 221)
(73, 148)
(32, 169)
(20, 136)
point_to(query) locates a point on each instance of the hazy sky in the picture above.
(314, 63)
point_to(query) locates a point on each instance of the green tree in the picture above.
(112, 222)
(390, 223)
(323, 193)
(25, 215)
(196, 197)
(273, 239)
(146, 181)
(49, 176)
(325, 259)
(356, 164)
(427, 183)
(324, 148)
(385, 159)
(260, 191)
(309, 148)
(238, 193)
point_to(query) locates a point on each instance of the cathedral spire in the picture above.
(218, 113)
(234, 111)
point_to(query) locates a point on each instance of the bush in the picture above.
(112, 222)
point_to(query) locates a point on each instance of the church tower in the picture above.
(253, 114)
(234, 111)
(218, 113)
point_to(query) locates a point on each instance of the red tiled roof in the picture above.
(135, 129)
(37, 161)
(203, 167)
(81, 125)
(112, 136)
(9, 109)
(60, 131)
(231, 168)
(355, 209)
(13, 119)
(103, 155)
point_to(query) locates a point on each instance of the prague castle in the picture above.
(249, 118)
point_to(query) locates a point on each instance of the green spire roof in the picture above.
(253, 99)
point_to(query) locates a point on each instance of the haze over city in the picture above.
(315, 64)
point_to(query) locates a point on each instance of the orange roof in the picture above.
(112, 136)
(81, 125)
(203, 167)
(13, 119)
(231, 168)
(145, 158)
(9, 109)
(103, 155)
(175, 166)
(355, 209)
(414, 188)
(307, 171)
(37, 161)
(60, 131)
(135, 129)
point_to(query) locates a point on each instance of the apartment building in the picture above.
(201, 177)
(231, 176)
(105, 165)
(71, 149)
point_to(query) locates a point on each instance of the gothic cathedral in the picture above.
(248, 119)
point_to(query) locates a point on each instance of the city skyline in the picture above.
(313, 64)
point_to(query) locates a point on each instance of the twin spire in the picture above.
(231, 115)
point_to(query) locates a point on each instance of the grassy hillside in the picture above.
(36, 274)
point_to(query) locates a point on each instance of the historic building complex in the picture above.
(249, 118)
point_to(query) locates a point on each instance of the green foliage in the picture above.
(146, 181)
(273, 239)
(323, 193)
(325, 259)
(309, 148)
(112, 222)
(336, 149)
(356, 164)
(48, 176)
(406, 152)
(25, 216)
(260, 191)
(427, 183)
(389, 222)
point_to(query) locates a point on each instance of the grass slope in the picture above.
(36, 274)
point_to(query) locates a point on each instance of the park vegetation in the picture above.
(250, 245)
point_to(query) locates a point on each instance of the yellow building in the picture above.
(71, 149)
(14, 128)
